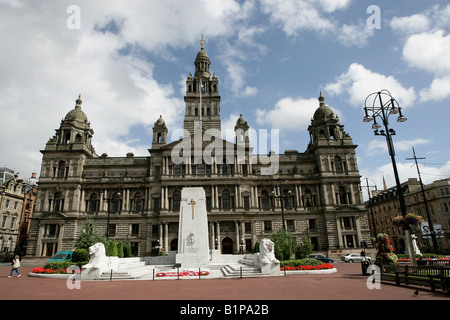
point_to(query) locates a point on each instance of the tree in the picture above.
(89, 236)
(127, 249)
(304, 249)
(120, 250)
(111, 249)
(284, 244)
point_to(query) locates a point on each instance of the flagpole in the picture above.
(200, 111)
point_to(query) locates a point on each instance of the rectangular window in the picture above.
(135, 229)
(290, 225)
(267, 226)
(112, 230)
(312, 224)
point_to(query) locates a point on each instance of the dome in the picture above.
(160, 121)
(202, 55)
(76, 114)
(323, 112)
(241, 121)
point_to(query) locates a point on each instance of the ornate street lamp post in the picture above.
(282, 197)
(382, 110)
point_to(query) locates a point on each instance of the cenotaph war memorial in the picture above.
(193, 248)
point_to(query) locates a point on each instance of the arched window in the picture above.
(94, 203)
(59, 202)
(342, 196)
(264, 199)
(116, 202)
(307, 198)
(338, 164)
(61, 169)
(176, 199)
(286, 198)
(138, 202)
(67, 138)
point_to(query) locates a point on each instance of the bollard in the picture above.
(110, 276)
(199, 274)
(153, 273)
(284, 270)
(178, 273)
(241, 272)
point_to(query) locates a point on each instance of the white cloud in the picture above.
(294, 16)
(406, 170)
(48, 65)
(429, 51)
(289, 114)
(439, 90)
(358, 82)
(354, 35)
(234, 60)
(411, 24)
(378, 146)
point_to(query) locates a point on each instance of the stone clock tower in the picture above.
(202, 95)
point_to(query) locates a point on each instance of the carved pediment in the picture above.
(346, 207)
(53, 214)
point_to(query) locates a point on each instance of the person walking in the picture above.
(15, 267)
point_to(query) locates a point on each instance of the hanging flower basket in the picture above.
(408, 220)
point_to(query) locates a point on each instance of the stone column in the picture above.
(218, 236)
(339, 233)
(236, 225)
(166, 237)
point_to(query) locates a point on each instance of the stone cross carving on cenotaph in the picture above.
(192, 203)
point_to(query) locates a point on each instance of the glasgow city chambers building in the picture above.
(314, 194)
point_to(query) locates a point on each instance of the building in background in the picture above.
(384, 206)
(137, 198)
(11, 202)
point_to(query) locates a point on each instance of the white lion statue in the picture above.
(266, 258)
(99, 260)
(97, 256)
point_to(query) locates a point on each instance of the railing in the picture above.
(422, 275)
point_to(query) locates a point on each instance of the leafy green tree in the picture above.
(284, 244)
(111, 249)
(127, 249)
(89, 236)
(304, 248)
(120, 250)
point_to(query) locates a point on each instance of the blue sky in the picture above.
(130, 59)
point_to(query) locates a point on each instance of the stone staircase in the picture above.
(129, 268)
(244, 268)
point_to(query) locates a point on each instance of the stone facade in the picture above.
(384, 205)
(137, 198)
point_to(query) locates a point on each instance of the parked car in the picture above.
(61, 256)
(321, 258)
(354, 257)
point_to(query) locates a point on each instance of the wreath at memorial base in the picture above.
(181, 274)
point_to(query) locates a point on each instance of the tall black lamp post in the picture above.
(282, 198)
(375, 107)
(374, 227)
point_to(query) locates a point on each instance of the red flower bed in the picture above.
(320, 267)
(48, 271)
